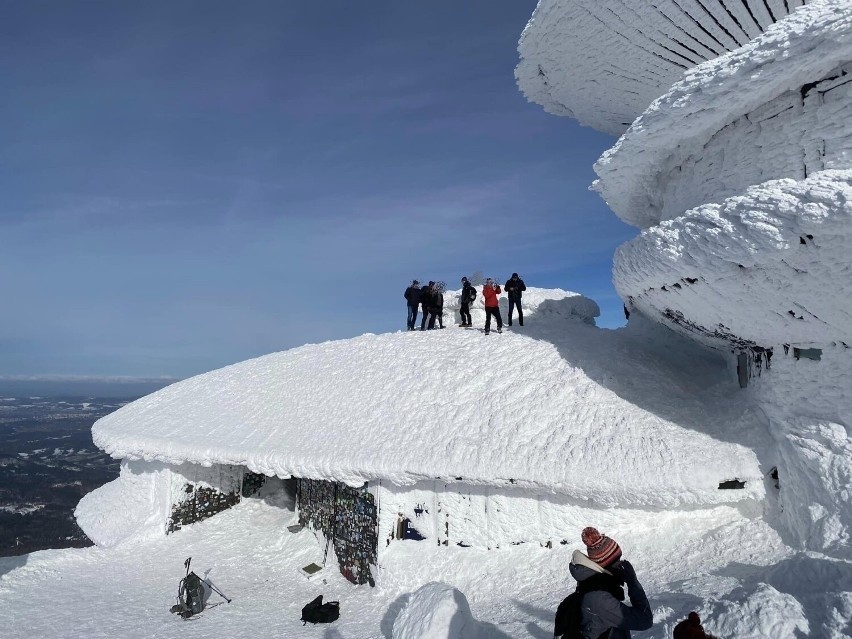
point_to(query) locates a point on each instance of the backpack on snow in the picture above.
(319, 612)
(190, 596)
(569, 619)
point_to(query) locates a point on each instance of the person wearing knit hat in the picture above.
(601, 576)
(600, 548)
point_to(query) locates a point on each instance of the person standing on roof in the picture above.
(436, 307)
(467, 297)
(601, 575)
(515, 288)
(491, 291)
(426, 302)
(412, 299)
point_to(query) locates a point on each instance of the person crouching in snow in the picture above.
(601, 575)
(691, 628)
(492, 306)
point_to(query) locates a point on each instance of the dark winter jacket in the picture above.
(468, 293)
(412, 295)
(690, 628)
(490, 294)
(602, 604)
(426, 297)
(515, 289)
(437, 302)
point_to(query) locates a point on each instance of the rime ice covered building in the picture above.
(736, 164)
(449, 437)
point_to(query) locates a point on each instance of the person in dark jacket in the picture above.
(515, 288)
(426, 302)
(468, 295)
(601, 575)
(491, 291)
(691, 628)
(436, 307)
(412, 299)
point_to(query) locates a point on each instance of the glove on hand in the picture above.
(627, 571)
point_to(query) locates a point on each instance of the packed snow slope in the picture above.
(547, 406)
(724, 562)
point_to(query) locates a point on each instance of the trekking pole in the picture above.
(216, 590)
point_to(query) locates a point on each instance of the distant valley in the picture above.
(47, 463)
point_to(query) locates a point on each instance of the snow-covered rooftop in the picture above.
(558, 406)
(604, 61)
(798, 50)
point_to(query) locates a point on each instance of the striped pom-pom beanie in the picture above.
(600, 548)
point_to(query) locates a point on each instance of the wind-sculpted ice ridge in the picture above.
(652, 167)
(604, 61)
(759, 264)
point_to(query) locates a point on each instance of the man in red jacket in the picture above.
(492, 306)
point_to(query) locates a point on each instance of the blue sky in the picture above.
(186, 185)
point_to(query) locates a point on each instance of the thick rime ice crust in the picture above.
(133, 506)
(760, 264)
(604, 61)
(809, 406)
(558, 406)
(662, 146)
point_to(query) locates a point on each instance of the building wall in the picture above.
(197, 492)
(455, 513)
(800, 132)
(152, 498)
(347, 519)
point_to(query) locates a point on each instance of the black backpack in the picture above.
(319, 612)
(190, 596)
(569, 619)
(471, 295)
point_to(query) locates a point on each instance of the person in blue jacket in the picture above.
(601, 575)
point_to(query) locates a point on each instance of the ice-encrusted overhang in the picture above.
(604, 61)
(730, 98)
(767, 267)
(544, 411)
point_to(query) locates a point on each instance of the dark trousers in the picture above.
(412, 315)
(425, 318)
(433, 313)
(513, 304)
(465, 313)
(495, 311)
